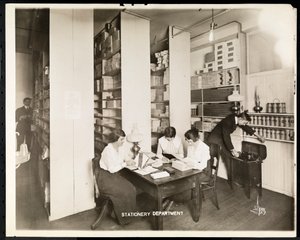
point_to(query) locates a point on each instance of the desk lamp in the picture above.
(236, 98)
(135, 137)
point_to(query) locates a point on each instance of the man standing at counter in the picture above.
(221, 135)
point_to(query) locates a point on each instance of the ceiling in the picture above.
(32, 29)
(32, 25)
(160, 19)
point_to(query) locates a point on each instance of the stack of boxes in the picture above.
(162, 59)
(226, 55)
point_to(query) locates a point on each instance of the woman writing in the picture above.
(110, 182)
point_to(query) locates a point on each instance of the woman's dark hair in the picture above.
(115, 134)
(170, 132)
(244, 115)
(193, 134)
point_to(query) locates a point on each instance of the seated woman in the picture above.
(198, 153)
(197, 157)
(170, 144)
(110, 182)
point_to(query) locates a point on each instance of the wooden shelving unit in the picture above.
(274, 126)
(223, 72)
(107, 82)
(41, 119)
(159, 92)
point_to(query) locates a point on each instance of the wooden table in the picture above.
(162, 188)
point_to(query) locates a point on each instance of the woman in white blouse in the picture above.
(170, 144)
(198, 153)
(110, 182)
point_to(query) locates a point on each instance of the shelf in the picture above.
(109, 99)
(274, 127)
(111, 89)
(107, 126)
(159, 116)
(163, 102)
(221, 86)
(271, 114)
(213, 102)
(116, 118)
(112, 73)
(160, 86)
(158, 72)
(99, 108)
(271, 139)
(157, 133)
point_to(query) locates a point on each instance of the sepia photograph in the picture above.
(148, 120)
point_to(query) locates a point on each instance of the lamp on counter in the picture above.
(236, 98)
(135, 137)
(212, 27)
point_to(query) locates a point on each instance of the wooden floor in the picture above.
(234, 213)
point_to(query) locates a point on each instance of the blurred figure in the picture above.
(24, 121)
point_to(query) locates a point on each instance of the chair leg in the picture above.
(102, 212)
(216, 199)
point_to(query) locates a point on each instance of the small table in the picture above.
(162, 188)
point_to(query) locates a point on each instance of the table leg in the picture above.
(159, 218)
(197, 200)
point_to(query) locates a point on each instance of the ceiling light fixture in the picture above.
(212, 27)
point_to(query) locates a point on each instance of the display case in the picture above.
(274, 126)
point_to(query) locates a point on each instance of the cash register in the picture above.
(246, 169)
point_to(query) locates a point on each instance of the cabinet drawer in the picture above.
(217, 109)
(217, 94)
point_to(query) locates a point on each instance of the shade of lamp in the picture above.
(135, 137)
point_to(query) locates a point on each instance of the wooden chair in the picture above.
(102, 201)
(210, 184)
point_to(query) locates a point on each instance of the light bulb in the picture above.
(211, 35)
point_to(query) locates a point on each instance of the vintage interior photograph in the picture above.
(151, 119)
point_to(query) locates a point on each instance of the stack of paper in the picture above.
(146, 170)
(160, 175)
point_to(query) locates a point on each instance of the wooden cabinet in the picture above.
(218, 69)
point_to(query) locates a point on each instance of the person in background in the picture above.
(24, 121)
(170, 144)
(110, 182)
(221, 135)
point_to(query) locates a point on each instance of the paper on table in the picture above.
(146, 170)
(160, 175)
(133, 167)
